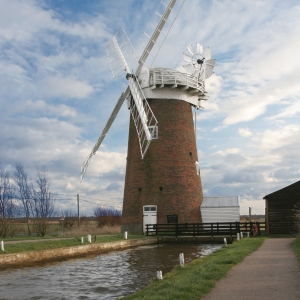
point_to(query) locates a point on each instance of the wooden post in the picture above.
(181, 259)
(159, 275)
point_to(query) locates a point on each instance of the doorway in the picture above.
(149, 215)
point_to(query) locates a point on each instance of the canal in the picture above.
(106, 276)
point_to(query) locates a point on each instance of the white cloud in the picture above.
(288, 112)
(245, 132)
(41, 107)
(65, 88)
(272, 139)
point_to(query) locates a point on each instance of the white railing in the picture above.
(173, 78)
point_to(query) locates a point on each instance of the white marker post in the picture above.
(89, 237)
(159, 275)
(238, 236)
(181, 259)
(241, 235)
(248, 233)
(225, 242)
(81, 240)
(125, 235)
(2, 246)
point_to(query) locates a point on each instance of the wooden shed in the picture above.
(283, 210)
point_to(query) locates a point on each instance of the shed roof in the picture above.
(286, 190)
(221, 201)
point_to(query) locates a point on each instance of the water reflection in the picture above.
(106, 276)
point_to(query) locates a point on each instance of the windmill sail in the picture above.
(142, 114)
(104, 132)
(140, 110)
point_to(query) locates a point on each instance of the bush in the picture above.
(107, 217)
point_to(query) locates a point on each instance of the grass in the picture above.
(56, 243)
(296, 247)
(200, 276)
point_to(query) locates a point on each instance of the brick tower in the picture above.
(168, 176)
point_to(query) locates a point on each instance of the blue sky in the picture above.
(57, 92)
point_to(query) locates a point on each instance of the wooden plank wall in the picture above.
(283, 210)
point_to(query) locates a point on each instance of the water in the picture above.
(106, 276)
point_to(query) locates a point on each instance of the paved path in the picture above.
(270, 273)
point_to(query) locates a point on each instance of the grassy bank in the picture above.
(41, 244)
(296, 248)
(200, 276)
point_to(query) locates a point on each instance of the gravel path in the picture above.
(270, 273)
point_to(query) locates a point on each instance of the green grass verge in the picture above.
(200, 276)
(296, 247)
(56, 243)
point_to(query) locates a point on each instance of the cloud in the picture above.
(36, 108)
(288, 112)
(272, 139)
(245, 132)
(65, 88)
(114, 186)
(244, 176)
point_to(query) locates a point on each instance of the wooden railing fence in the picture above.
(203, 229)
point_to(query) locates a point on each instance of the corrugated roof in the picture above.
(222, 201)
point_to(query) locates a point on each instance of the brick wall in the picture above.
(167, 176)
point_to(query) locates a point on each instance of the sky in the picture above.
(57, 92)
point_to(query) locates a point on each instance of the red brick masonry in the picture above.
(167, 175)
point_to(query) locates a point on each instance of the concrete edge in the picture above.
(33, 257)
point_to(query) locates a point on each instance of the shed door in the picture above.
(149, 215)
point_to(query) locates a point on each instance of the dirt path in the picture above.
(270, 273)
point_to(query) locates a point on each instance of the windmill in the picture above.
(162, 179)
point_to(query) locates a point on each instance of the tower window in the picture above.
(153, 131)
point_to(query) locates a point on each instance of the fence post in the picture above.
(89, 238)
(159, 275)
(181, 259)
(225, 242)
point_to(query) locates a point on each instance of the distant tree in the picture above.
(43, 201)
(25, 192)
(107, 216)
(8, 207)
(70, 218)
